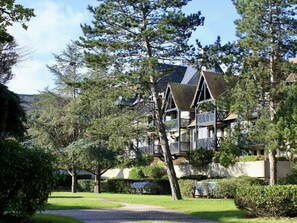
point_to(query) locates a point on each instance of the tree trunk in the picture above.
(272, 167)
(175, 190)
(73, 180)
(97, 187)
(273, 77)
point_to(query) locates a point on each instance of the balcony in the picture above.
(209, 117)
(205, 143)
(174, 148)
(146, 149)
(209, 142)
(172, 124)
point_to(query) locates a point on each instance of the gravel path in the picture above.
(130, 213)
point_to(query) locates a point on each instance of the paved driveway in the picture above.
(129, 213)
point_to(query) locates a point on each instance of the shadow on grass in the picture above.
(65, 196)
(219, 215)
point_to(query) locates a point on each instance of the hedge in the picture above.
(159, 186)
(86, 185)
(27, 177)
(187, 187)
(267, 201)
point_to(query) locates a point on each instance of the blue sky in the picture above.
(57, 22)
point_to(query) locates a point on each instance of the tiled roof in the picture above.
(182, 95)
(216, 83)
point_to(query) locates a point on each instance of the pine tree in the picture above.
(267, 38)
(135, 35)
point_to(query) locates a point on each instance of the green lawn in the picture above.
(51, 218)
(65, 200)
(222, 210)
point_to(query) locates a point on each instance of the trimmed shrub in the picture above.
(64, 180)
(86, 185)
(27, 177)
(119, 185)
(159, 186)
(194, 177)
(267, 201)
(136, 173)
(226, 188)
(154, 172)
(187, 187)
(251, 158)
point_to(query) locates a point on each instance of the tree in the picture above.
(134, 36)
(267, 38)
(10, 13)
(95, 157)
(13, 117)
(58, 120)
(8, 58)
(286, 121)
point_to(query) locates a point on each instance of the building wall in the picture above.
(258, 169)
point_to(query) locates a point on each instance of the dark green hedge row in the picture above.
(27, 176)
(267, 201)
(159, 186)
(65, 180)
(216, 188)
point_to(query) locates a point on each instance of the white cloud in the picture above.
(55, 25)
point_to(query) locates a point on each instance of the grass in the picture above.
(222, 210)
(65, 200)
(51, 218)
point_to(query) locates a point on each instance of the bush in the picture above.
(251, 158)
(200, 158)
(86, 185)
(159, 186)
(187, 187)
(119, 185)
(136, 173)
(267, 201)
(27, 177)
(194, 177)
(64, 180)
(226, 188)
(154, 172)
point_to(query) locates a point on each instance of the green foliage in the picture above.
(187, 187)
(9, 57)
(136, 173)
(86, 185)
(119, 185)
(286, 119)
(154, 172)
(200, 158)
(27, 177)
(194, 177)
(266, 201)
(12, 116)
(64, 180)
(251, 158)
(11, 12)
(150, 172)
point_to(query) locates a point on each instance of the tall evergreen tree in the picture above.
(136, 35)
(59, 120)
(267, 39)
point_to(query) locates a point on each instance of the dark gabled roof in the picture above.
(172, 74)
(28, 100)
(216, 85)
(182, 95)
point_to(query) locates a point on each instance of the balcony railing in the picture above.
(209, 117)
(206, 143)
(174, 149)
(173, 123)
(209, 142)
(146, 149)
